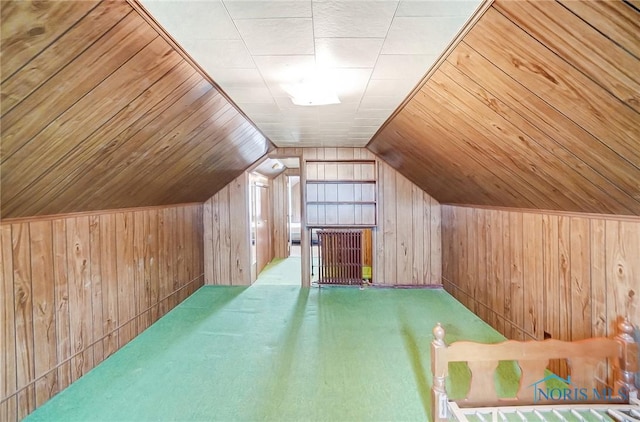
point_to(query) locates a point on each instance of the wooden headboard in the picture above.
(532, 357)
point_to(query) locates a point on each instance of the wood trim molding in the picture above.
(88, 213)
(616, 217)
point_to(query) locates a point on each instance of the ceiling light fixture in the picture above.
(313, 90)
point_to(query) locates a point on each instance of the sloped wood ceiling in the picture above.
(537, 107)
(99, 111)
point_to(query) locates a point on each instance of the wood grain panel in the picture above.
(395, 260)
(23, 305)
(50, 61)
(280, 214)
(577, 271)
(618, 20)
(71, 286)
(8, 380)
(227, 225)
(109, 272)
(92, 111)
(80, 306)
(102, 111)
(593, 54)
(526, 60)
(44, 329)
(535, 107)
(28, 28)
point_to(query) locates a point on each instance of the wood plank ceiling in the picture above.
(537, 107)
(99, 111)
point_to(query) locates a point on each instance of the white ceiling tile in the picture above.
(283, 69)
(370, 121)
(255, 94)
(244, 9)
(287, 36)
(349, 84)
(348, 52)
(363, 131)
(398, 66)
(437, 8)
(235, 77)
(390, 87)
(251, 108)
(269, 46)
(219, 53)
(193, 19)
(339, 118)
(349, 108)
(372, 114)
(363, 19)
(421, 35)
(381, 103)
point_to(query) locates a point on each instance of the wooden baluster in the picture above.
(628, 365)
(531, 371)
(439, 368)
(482, 387)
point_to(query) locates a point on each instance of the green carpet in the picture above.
(278, 353)
(281, 272)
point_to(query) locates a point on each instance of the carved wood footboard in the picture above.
(532, 358)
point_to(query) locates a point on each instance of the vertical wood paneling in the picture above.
(279, 212)
(480, 246)
(71, 284)
(78, 263)
(405, 254)
(516, 252)
(497, 257)
(533, 272)
(126, 281)
(44, 329)
(598, 293)
(224, 215)
(227, 225)
(623, 270)
(418, 235)
(207, 217)
(7, 327)
(580, 279)
(63, 324)
(23, 305)
(109, 274)
(565, 275)
(404, 236)
(389, 233)
(138, 271)
(96, 288)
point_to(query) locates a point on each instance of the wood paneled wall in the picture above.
(279, 213)
(407, 244)
(101, 110)
(227, 235)
(76, 288)
(537, 106)
(527, 272)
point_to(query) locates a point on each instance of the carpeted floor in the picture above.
(276, 353)
(281, 272)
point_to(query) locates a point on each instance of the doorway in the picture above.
(276, 208)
